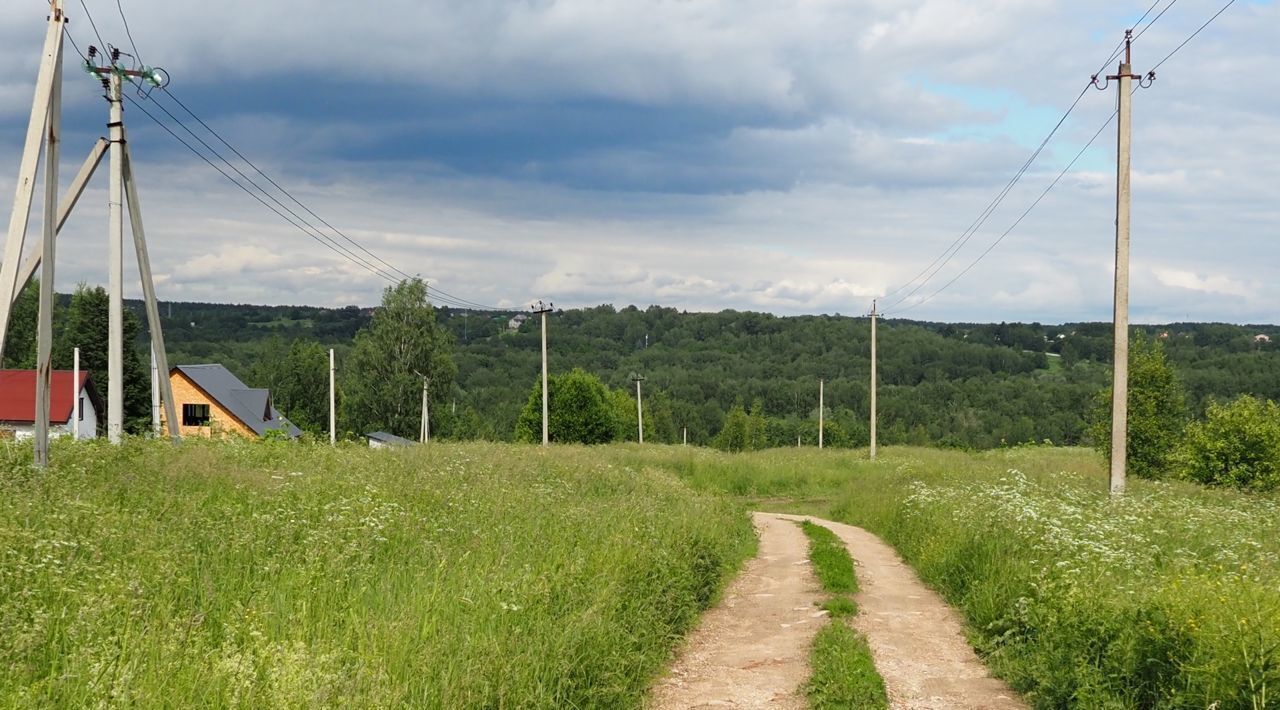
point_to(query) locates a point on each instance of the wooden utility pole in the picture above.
(333, 401)
(821, 413)
(638, 378)
(873, 381)
(1120, 376)
(543, 310)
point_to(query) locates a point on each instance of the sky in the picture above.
(789, 156)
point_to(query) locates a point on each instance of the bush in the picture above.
(580, 411)
(1157, 412)
(1237, 445)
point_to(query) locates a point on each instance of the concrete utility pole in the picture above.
(424, 431)
(155, 396)
(44, 326)
(684, 436)
(543, 310)
(44, 127)
(821, 413)
(638, 378)
(1120, 377)
(48, 79)
(333, 400)
(115, 262)
(873, 380)
(75, 396)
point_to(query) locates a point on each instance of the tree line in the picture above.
(734, 379)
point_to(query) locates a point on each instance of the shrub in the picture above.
(1238, 444)
(579, 411)
(1157, 411)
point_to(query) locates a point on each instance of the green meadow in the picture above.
(272, 574)
(275, 575)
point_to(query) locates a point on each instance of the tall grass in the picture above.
(276, 575)
(1166, 598)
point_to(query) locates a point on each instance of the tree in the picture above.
(581, 410)
(381, 385)
(735, 433)
(20, 339)
(298, 377)
(1236, 445)
(1157, 411)
(86, 326)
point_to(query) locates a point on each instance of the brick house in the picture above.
(211, 401)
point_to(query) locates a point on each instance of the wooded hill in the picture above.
(959, 384)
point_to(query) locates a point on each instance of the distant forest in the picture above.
(953, 384)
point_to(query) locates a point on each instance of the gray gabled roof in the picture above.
(391, 439)
(249, 405)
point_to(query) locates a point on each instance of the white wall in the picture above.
(88, 426)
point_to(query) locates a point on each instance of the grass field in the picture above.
(1166, 598)
(277, 575)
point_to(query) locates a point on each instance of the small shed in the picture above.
(383, 440)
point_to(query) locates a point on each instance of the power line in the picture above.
(129, 34)
(1193, 34)
(954, 248)
(461, 302)
(1017, 221)
(1076, 158)
(301, 223)
(101, 45)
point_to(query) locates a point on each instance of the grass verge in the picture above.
(279, 575)
(844, 674)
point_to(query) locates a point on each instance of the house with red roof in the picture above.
(18, 404)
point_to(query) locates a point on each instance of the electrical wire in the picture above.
(307, 209)
(1016, 222)
(1193, 34)
(1073, 160)
(129, 34)
(954, 248)
(297, 220)
(101, 45)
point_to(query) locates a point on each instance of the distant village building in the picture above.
(210, 401)
(383, 440)
(516, 322)
(18, 404)
(1261, 338)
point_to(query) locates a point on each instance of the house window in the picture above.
(195, 415)
(82, 409)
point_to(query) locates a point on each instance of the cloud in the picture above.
(792, 156)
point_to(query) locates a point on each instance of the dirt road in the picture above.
(917, 640)
(751, 651)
